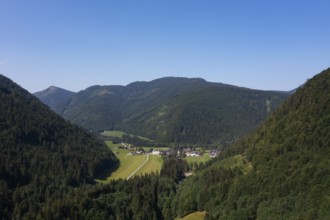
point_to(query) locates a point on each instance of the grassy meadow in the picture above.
(194, 216)
(129, 163)
(120, 134)
(113, 133)
(201, 159)
(154, 164)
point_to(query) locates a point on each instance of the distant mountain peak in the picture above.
(54, 96)
(56, 88)
(53, 88)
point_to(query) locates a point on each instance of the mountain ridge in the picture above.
(279, 171)
(152, 109)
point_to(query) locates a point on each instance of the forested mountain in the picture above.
(41, 154)
(216, 115)
(280, 171)
(177, 110)
(55, 97)
(96, 108)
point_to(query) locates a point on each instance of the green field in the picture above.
(129, 163)
(120, 134)
(153, 165)
(201, 159)
(113, 133)
(194, 216)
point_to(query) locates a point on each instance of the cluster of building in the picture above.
(193, 152)
(182, 152)
(188, 152)
(160, 152)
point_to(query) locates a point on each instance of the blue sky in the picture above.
(265, 44)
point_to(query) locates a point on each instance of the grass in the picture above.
(194, 216)
(154, 164)
(120, 134)
(201, 159)
(155, 148)
(129, 163)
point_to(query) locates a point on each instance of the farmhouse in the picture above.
(193, 154)
(156, 152)
(214, 153)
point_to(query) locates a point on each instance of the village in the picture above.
(180, 152)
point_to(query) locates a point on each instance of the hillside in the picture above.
(214, 115)
(55, 97)
(180, 110)
(41, 154)
(280, 171)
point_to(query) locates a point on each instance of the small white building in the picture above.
(155, 152)
(193, 154)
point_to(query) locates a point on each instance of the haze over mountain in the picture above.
(170, 109)
(41, 152)
(55, 97)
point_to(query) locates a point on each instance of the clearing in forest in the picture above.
(194, 216)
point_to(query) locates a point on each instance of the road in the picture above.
(137, 170)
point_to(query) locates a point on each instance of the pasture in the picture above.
(130, 163)
(200, 159)
(194, 216)
(120, 134)
(154, 164)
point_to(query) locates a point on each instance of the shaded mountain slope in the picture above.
(172, 109)
(40, 152)
(216, 114)
(280, 171)
(97, 108)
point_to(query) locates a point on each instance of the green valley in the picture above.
(281, 170)
(128, 163)
(164, 110)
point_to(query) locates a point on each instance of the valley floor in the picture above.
(131, 165)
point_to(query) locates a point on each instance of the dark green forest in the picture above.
(279, 171)
(170, 110)
(41, 153)
(288, 161)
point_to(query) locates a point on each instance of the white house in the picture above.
(155, 152)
